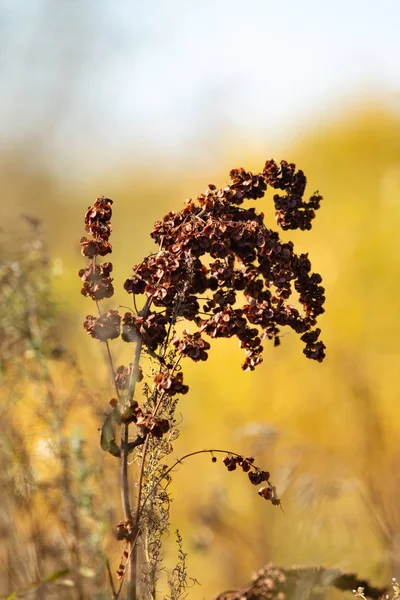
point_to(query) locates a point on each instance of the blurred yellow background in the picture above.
(327, 432)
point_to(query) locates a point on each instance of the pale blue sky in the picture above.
(165, 74)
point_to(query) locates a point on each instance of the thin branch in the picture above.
(178, 462)
(111, 580)
(110, 360)
(132, 546)
(136, 358)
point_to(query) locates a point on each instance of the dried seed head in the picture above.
(245, 255)
(105, 327)
(241, 254)
(171, 384)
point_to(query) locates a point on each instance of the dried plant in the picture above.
(179, 581)
(221, 269)
(275, 583)
(363, 591)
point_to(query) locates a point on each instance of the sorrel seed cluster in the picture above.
(245, 255)
(217, 266)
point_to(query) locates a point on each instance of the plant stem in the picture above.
(125, 496)
(134, 555)
(125, 500)
(110, 360)
(138, 512)
(111, 580)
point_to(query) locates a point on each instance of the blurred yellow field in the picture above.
(326, 432)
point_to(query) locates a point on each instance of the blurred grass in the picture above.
(328, 433)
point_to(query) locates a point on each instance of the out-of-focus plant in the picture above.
(51, 527)
(275, 583)
(219, 267)
(362, 592)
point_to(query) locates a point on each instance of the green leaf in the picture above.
(54, 576)
(35, 584)
(107, 436)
